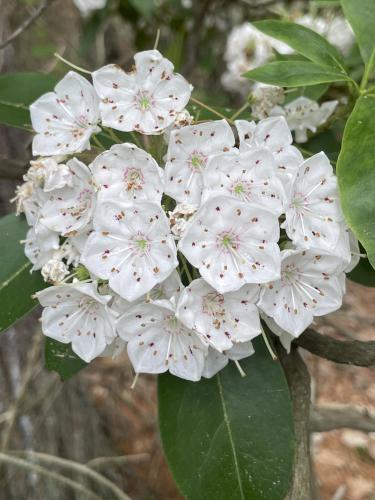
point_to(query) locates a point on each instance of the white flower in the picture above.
(131, 247)
(48, 174)
(249, 176)
(263, 98)
(40, 247)
(54, 271)
(220, 319)
(216, 361)
(347, 248)
(24, 196)
(313, 216)
(188, 153)
(87, 6)
(65, 119)
(180, 216)
(70, 209)
(146, 99)
(272, 133)
(158, 341)
(233, 243)
(310, 285)
(76, 313)
(127, 173)
(285, 338)
(303, 114)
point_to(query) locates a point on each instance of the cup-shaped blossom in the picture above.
(158, 341)
(216, 361)
(70, 209)
(127, 173)
(311, 284)
(131, 246)
(220, 319)
(65, 119)
(77, 313)
(233, 243)
(272, 133)
(188, 152)
(313, 216)
(303, 114)
(147, 99)
(48, 174)
(249, 176)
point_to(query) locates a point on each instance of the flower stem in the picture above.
(113, 136)
(238, 112)
(97, 142)
(268, 345)
(74, 66)
(212, 110)
(239, 367)
(157, 39)
(135, 380)
(368, 70)
(185, 267)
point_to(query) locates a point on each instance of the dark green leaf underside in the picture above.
(61, 359)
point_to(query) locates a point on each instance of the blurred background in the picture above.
(95, 421)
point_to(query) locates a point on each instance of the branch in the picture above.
(27, 23)
(299, 384)
(335, 416)
(349, 352)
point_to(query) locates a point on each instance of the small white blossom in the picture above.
(220, 319)
(48, 174)
(65, 119)
(158, 341)
(146, 99)
(188, 153)
(249, 176)
(263, 98)
(272, 133)
(70, 209)
(310, 285)
(303, 114)
(127, 173)
(77, 313)
(233, 243)
(40, 247)
(54, 271)
(88, 6)
(131, 247)
(313, 216)
(216, 361)
(180, 216)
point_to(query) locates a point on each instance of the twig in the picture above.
(24, 464)
(348, 352)
(335, 416)
(99, 479)
(99, 462)
(27, 23)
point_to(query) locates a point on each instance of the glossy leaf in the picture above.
(17, 92)
(229, 437)
(17, 284)
(61, 359)
(356, 173)
(304, 40)
(295, 74)
(361, 16)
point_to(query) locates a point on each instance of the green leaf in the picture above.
(17, 92)
(356, 173)
(144, 7)
(229, 437)
(61, 359)
(17, 284)
(361, 16)
(363, 273)
(314, 92)
(304, 40)
(295, 74)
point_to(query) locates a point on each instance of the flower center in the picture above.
(133, 179)
(228, 241)
(197, 161)
(213, 304)
(144, 100)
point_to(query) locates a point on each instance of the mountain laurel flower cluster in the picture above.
(178, 262)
